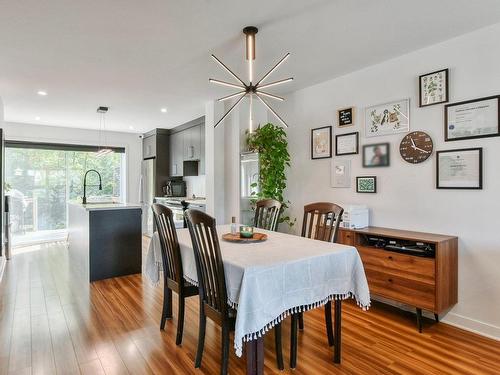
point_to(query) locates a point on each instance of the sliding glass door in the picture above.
(42, 181)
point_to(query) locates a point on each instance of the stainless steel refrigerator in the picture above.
(249, 185)
(148, 183)
(2, 200)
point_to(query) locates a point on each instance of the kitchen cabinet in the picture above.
(201, 167)
(155, 146)
(176, 153)
(187, 143)
(149, 147)
(192, 142)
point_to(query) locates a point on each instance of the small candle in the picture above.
(246, 231)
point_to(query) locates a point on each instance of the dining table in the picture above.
(285, 274)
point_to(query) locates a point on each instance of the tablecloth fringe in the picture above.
(295, 310)
(191, 281)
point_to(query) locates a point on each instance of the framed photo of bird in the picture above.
(388, 118)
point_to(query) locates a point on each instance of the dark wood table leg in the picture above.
(260, 356)
(337, 331)
(255, 356)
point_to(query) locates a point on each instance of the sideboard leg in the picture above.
(419, 319)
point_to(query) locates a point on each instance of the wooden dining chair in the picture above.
(212, 286)
(173, 279)
(321, 222)
(267, 212)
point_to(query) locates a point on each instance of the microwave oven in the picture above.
(175, 188)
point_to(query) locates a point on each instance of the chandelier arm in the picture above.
(272, 96)
(273, 68)
(231, 96)
(224, 83)
(275, 83)
(228, 70)
(230, 110)
(272, 110)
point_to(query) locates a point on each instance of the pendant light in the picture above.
(103, 150)
(251, 89)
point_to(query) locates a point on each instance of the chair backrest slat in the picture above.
(267, 212)
(170, 252)
(321, 221)
(209, 265)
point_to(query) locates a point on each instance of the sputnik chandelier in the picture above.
(251, 89)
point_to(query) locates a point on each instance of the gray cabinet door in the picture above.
(149, 147)
(202, 150)
(176, 153)
(192, 143)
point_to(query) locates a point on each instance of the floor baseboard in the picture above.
(472, 325)
(453, 319)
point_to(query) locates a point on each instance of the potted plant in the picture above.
(271, 144)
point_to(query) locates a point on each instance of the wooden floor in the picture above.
(51, 323)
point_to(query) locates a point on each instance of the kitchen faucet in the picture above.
(84, 199)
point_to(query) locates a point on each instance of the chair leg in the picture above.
(166, 312)
(180, 320)
(225, 348)
(201, 337)
(293, 341)
(328, 320)
(279, 350)
(436, 317)
(301, 321)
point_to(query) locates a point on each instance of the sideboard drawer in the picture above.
(389, 261)
(412, 292)
(346, 237)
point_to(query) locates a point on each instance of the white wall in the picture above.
(407, 198)
(43, 133)
(2, 257)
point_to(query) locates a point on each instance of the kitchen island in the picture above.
(105, 239)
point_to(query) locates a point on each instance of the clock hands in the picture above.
(419, 149)
(414, 146)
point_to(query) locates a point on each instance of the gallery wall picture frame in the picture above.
(387, 118)
(347, 144)
(433, 88)
(376, 155)
(460, 169)
(340, 176)
(321, 143)
(476, 118)
(346, 117)
(366, 184)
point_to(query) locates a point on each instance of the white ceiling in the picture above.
(140, 56)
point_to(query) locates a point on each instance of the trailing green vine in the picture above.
(271, 144)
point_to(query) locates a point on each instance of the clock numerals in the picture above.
(416, 147)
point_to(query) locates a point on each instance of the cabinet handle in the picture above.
(390, 280)
(390, 257)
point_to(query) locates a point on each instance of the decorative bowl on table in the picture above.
(246, 231)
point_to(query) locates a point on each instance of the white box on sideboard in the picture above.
(355, 217)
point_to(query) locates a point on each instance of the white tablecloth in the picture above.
(269, 280)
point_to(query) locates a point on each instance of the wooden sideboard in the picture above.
(428, 283)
